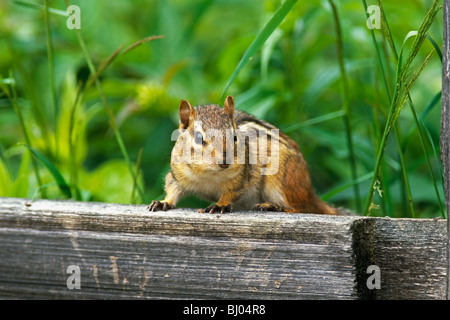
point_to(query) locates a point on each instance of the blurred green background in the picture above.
(293, 81)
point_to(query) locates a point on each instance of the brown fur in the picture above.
(238, 186)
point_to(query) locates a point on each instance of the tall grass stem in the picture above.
(51, 69)
(346, 106)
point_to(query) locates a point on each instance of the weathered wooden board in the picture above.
(445, 119)
(411, 254)
(124, 251)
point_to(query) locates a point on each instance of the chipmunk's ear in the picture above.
(185, 112)
(229, 106)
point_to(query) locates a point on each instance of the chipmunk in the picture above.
(239, 162)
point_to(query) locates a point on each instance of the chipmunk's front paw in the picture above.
(217, 208)
(268, 207)
(159, 205)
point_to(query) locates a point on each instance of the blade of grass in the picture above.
(12, 96)
(40, 189)
(422, 116)
(422, 33)
(51, 66)
(430, 170)
(345, 105)
(380, 62)
(29, 91)
(406, 186)
(108, 109)
(72, 143)
(412, 108)
(327, 195)
(314, 121)
(381, 149)
(436, 157)
(138, 167)
(262, 36)
(377, 112)
(267, 50)
(386, 201)
(394, 110)
(39, 117)
(436, 46)
(138, 43)
(386, 30)
(430, 106)
(79, 96)
(59, 179)
(402, 89)
(40, 6)
(93, 77)
(115, 54)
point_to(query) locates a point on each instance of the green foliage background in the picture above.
(294, 82)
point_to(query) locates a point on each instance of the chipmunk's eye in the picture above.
(198, 138)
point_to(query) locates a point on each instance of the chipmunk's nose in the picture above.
(225, 163)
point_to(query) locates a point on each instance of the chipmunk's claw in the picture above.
(267, 207)
(159, 205)
(214, 208)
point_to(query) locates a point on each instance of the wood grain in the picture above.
(124, 252)
(445, 119)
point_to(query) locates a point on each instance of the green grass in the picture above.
(96, 107)
(346, 101)
(260, 39)
(403, 85)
